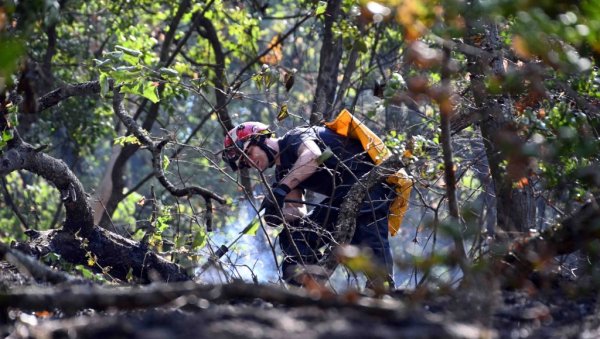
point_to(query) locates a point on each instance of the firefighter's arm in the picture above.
(293, 211)
(307, 164)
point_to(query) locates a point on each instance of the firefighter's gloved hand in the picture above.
(271, 207)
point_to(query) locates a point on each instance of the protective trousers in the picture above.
(302, 243)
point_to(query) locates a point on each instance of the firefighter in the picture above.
(313, 159)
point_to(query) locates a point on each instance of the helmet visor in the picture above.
(233, 156)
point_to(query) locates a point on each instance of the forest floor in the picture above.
(556, 311)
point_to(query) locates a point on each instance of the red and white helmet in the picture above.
(236, 138)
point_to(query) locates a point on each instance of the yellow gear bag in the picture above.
(347, 125)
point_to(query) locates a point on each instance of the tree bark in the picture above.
(102, 298)
(346, 223)
(122, 258)
(515, 201)
(28, 266)
(331, 54)
(23, 156)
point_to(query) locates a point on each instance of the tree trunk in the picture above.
(515, 201)
(446, 112)
(331, 54)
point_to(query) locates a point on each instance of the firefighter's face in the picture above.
(258, 158)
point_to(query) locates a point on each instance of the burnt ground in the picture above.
(563, 310)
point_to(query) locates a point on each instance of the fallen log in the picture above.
(99, 298)
(192, 297)
(79, 239)
(535, 253)
(30, 267)
(122, 258)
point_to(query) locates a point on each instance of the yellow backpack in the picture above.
(347, 125)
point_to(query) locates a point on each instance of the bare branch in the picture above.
(183, 7)
(8, 199)
(350, 68)
(277, 42)
(155, 149)
(346, 223)
(444, 100)
(71, 90)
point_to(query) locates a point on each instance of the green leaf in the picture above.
(51, 258)
(169, 72)
(129, 276)
(103, 64)
(327, 153)
(321, 8)
(126, 74)
(114, 55)
(7, 135)
(362, 46)
(10, 51)
(269, 77)
(151, 92)
(85, 272)
(252, 227)
(131, 69)
(396, 81)
(129, 139)
(155, 240)
(470, 181)
(258, 80)
(165, 162)
(132, 89)
(103, 84)
(13, 117)
(129, 51)
(199, 239)
(162, 222)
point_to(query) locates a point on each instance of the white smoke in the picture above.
(250, 258)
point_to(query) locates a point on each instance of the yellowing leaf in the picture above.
(129, 139)
(283, 112)
(275, 55)
(520, 46)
